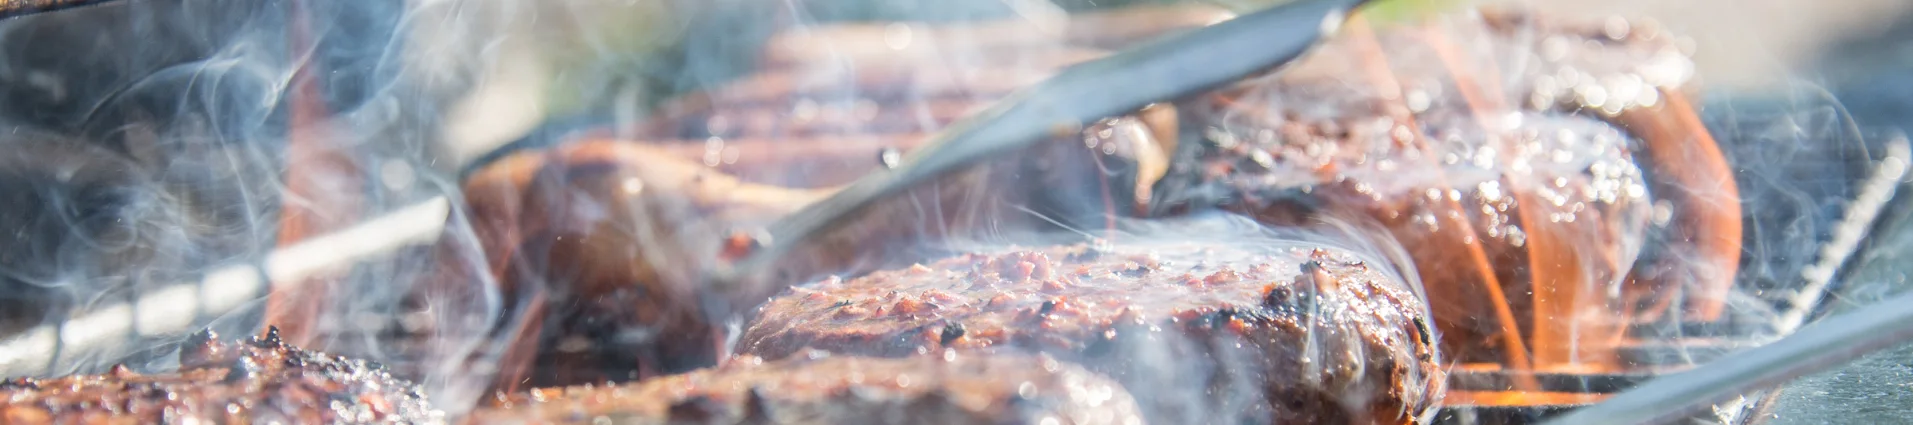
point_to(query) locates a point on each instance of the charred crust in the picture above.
(951, 332)
(1300, 297)
(199, 349)
(1422, 333)
(1256, 299)
(270, 340)
(19, 383)
(1284, 301)
(1217, 320)
(1222, 318)
(261, 380)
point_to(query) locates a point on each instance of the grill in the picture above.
(415, 287)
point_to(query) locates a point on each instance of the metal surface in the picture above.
(1817, 347)
(18, 8)
(1164, 70)
(1798, 146)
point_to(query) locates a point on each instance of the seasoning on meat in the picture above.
(1481, 144)
(1224, 321)
(816, 388)
(262, 380)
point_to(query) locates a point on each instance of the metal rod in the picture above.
(17, 8)
(182, 307)
(1817, 347)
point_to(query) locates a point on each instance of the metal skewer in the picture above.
(1163, 70)
(18, 8)
(177, 309)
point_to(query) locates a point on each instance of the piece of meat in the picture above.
(1222, 320)
(1637, 76)
(1465, 211)
(597, 244)
(1463, 137)
(814, 388)
(262, 380)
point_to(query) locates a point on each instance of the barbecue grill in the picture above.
(354, 223)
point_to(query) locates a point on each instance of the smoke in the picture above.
(143, 159)
(145, 179)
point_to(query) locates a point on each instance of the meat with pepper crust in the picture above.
(262, 380)
(1265, 329)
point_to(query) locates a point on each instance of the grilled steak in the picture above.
(814, 388)
(258, 381)
(1486, 148)
(1460, 204)
(1226, 321)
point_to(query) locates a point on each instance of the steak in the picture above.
(1488, 146)
(816, 388)
(262, 380)
(1226, 320)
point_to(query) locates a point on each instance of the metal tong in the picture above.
(1166, 69)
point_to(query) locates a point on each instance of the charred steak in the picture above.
(262, 380)
(1492, 147)
(1225, 320)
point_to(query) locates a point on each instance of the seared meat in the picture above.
(814, 388)
(597, 243)
(258, 381)
(1463, 194)
(1523, 218)
(1226, 321)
